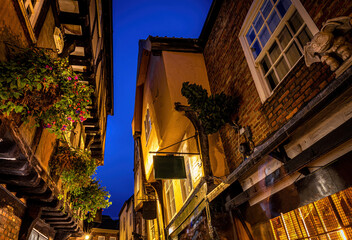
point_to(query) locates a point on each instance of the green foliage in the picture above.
(35, 84)
(213, 111)
(76, 168)
(90, 199)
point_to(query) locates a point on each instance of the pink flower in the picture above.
(47, 66)
(76, 77)
(69, 78)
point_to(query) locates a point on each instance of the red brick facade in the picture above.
(228, 71)
(9, 223)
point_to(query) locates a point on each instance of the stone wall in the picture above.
(228, 71)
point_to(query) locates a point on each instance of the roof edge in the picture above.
(209, 22)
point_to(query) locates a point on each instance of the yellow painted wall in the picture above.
(162, 88)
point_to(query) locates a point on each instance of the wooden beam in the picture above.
(79, 60)
(39, 188)
(332, 140)
(73, 18)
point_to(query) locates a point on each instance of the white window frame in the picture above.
(186, 184)
(35, 10)
(147, 125)
(171, 202)
(152, 229)
(36, 235)
(259, 81)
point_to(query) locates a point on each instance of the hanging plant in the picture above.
(213, 111)
(90, 199)
(35, 84)
(76, 167)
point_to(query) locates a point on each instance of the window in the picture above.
(147, 125)
(273, 37)
(152, 229)
(112, 238)
(186, 184)
(101, 238)
(32, 9)
(169, 191)
(36, 235)
(137, 180)
(327, 218)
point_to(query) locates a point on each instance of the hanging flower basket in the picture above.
(35, 83)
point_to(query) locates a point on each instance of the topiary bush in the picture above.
(213, 111)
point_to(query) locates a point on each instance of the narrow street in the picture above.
(175, 120)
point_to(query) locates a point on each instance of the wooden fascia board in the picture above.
(334, 139)
(102, 230)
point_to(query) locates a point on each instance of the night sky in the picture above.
(134, 20)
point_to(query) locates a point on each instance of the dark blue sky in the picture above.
(134, 20)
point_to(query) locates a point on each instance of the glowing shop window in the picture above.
(329, 218)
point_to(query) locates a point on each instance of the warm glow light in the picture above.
(342, 234)
(86, 237)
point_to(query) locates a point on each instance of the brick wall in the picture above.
(228, 72)
(9, 223)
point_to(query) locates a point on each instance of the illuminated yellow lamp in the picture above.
(342, 234)
(86, 237)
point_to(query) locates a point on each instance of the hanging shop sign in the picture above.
(169, 167)
(149, 210)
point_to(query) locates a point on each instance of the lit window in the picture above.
(152, 230)
(147, 125)
(36, 235)
(32, 9)
(170, 196)
(101, 238)
(273, 37)
(112, 238)
(327, 218)
(137, 180)
(186, 184)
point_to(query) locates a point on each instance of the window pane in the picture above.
(295, 22)
(256, 49)
(266, 64)
(273, 21)
(29, 11)
(272, 80)
(266, 8)
(258, 22)
(264, 36)
(304, 37)
(274, 52)
(282, 68)
(293, 54)
(283, 6)
(250, 36)
(284, 37)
